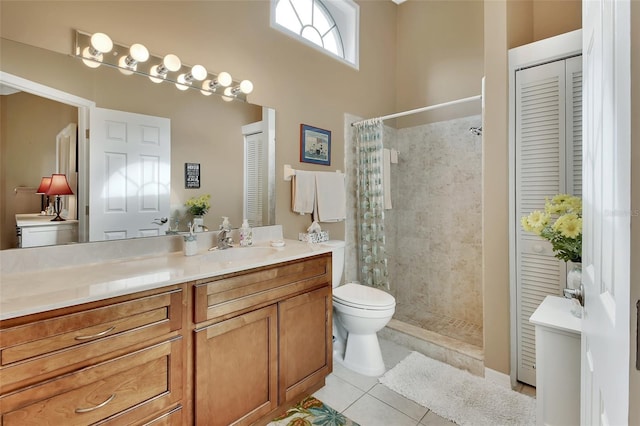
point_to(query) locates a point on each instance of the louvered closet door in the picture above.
(546, 164)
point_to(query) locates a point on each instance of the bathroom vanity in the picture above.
(167, 340)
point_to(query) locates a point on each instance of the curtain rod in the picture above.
(427, 108)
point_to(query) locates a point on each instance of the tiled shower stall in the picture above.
(434, 230)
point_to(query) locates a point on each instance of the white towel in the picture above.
(303, 192)
(331, 200)
(386, 178)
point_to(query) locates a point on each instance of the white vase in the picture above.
(198, 221)
(574, 275)
(574, 281)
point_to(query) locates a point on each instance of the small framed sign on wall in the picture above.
(315, 145)
(192, 175)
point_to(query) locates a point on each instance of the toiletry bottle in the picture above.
(225, 223)
(246, 237)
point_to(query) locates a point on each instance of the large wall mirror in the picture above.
(204, 130)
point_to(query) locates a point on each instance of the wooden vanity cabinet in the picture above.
(265, 342)
(118, 361)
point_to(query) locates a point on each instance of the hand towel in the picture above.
(386, 178)
(303, 192)
(331, 200)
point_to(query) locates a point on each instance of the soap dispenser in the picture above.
(246, 235)
(225, 224)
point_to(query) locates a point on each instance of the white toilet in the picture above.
(359, 312)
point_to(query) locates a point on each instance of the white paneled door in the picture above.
(605, 395)
(130, 174)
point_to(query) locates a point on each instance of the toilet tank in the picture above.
(337, 260)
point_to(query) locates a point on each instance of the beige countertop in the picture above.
(24, 293)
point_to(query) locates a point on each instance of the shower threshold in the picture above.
(452, 351)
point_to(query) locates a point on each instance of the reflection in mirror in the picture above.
(217, 135)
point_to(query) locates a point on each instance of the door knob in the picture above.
(575, 293)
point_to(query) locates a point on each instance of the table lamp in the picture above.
(59, 186)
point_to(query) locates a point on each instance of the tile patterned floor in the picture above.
(367, 402)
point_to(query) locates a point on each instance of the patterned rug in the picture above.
(311, 411)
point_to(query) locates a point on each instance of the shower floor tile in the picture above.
(450, 327)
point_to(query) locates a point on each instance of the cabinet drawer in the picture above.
(121, 390)
(237, 292)
(43, 346)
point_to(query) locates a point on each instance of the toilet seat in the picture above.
(363, 297)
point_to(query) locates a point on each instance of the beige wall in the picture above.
(304, 86)
(439, 58)
(553, 17)
(30, 126)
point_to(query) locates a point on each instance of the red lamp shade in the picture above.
(44, 185)
(59, 185)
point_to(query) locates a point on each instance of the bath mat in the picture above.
(458, 395)
(312, 411)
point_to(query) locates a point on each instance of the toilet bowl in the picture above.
(359, 313)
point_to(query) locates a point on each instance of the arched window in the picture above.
(331, 26)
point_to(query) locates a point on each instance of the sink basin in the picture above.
(239, 254)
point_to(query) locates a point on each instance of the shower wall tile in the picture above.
(438, 220)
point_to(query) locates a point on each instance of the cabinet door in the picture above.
(305, 342)
(236, 369)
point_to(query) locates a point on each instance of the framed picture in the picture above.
(315, 145)
(192, 175)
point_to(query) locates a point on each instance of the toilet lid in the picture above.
(362, 295)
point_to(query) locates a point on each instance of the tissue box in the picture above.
(314, 237)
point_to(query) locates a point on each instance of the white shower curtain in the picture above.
(372, 257)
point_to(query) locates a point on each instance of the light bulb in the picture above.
(246, 87)
(155, 76)
(224, 79)
(124, 67)
(228, 94)
(171, 62)
(101, 42)
(159, 72)
(138, 52)
(92, 61)
(199, 72)
(182, 83)
(206, 88)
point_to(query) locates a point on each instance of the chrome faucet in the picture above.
(224, 239)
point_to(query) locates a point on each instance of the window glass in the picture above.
(330, 25)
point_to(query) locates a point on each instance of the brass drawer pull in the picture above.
(102, 333)
(102, 404)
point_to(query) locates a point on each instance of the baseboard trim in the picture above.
(497, 377)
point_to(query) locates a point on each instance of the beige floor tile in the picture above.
(338, 394)
(358, 380)
(369, 411)
(399, 402)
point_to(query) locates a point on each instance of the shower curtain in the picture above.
(372, 257)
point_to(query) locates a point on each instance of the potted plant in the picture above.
(561, 224)
(198, 207)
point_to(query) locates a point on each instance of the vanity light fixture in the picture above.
(99, 43)
(136, 59)
(169, 63)
(198, 72)
(210, 86)
(59, 186)
(129, 64)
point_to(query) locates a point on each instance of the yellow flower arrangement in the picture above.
(198, 206)
(561, 224)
